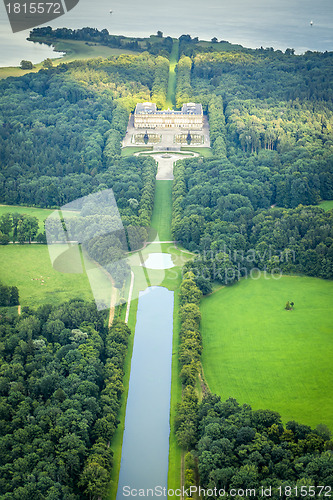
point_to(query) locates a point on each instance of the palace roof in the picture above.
(190, 108)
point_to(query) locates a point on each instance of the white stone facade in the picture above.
(146, 116)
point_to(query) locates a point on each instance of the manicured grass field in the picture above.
(74, 49)
(161, 219)
(205, 152)
(5, 71)
(171, 280)
(130, 150)
(261, 354)
(326, 205)
(220, 46)
(29, 268)
(175, 451)
(171, 95)
(40, 213)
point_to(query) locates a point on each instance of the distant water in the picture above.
(270, 23)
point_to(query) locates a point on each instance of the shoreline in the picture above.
(65, 51)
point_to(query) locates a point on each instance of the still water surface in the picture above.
(270, 23)
(159, 261)
(144, 461)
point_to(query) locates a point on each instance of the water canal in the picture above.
(144, 462)
(145, 449)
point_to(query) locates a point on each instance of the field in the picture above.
(161, 219)
(220, 46)
(326, 205)
(171, 95)
(74, 49)
(261, 354)
(131, 150)
(205, 152)
(29, 268)
(40, 213)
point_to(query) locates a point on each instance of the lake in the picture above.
(270, 23)
(145, 451)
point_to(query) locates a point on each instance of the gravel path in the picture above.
(166, 162)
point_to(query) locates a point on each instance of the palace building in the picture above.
(147, 116)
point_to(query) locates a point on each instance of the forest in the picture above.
(239, 448)
(252, 206)
(9, 296)
(60, 386)
(158, 45)
(254, 203)
(61, 131)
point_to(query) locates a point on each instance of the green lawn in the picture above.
(261, 354)
(130, 150)
(75, 49)
(171, 95)
(326, 205)
(171, 279)
(29, 268)
(220, 46)
(40, 213)
(205, 152)
(161, 219)
(175, 451)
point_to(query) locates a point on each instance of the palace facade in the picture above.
(147, 116)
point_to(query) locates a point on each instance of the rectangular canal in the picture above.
(144, 461)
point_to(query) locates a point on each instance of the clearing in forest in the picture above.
(261, 354)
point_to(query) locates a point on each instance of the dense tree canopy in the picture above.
(252, 206)
(271, 132)
(9, 295)
(61, 131)
(60, 387)
(239, 448)
(158, 45)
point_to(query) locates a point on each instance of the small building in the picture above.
(146, 115)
